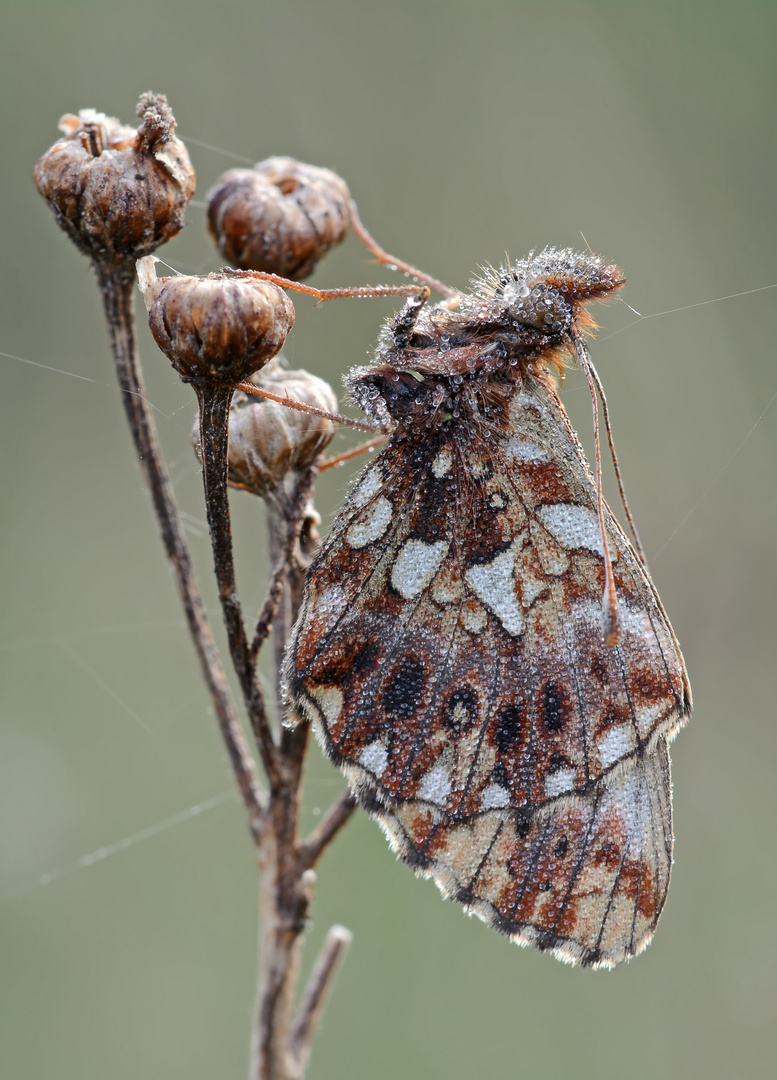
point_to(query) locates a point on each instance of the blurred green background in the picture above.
(464, 129)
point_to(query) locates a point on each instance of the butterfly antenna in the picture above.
(610, 613)
(611, 443)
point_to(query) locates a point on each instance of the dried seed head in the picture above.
(220, 328)
(267, 441)
(117, 192)
(282, 216)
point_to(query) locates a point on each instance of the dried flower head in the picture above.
(220, 328)
(282, 216)
(118, 192)
(267, 441)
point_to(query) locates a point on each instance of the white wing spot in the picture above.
(372, 526)
(441, 465)
(330, 701)
(524, 450)
(636, 621)
(494, 796)
(368, 488)
(553, 559)
(617, 742)
(328, 606)
(375, 758)
(646, 717)
(494, 584)
(558, 782)
(416, 565)
(460, 715)
(435, 786)
(573, 526)
(497, 501)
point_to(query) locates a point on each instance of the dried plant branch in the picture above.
(282, 537)
(314, 998)
(318, 841)
(219, 331)
(214, 433)
(118, 299)
(273, 596)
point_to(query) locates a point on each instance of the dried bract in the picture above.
(118, 192)
(281, 217)
(220, 328)
(267, 441)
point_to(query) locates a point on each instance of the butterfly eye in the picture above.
(537, 306)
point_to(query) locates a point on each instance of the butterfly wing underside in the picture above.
(449, 652)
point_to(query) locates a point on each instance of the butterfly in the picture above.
(480, 647)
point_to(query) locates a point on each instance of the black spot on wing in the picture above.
(509, 726)
(553, 706)
(402, 694)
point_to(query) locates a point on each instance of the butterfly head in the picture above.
(543, 294)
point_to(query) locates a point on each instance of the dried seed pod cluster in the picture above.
(118, 192)
(220, 328)
(267, 440)
(281, 217)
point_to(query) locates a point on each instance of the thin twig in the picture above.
(118, 299)
(293, 523)
(281, 536)
(271, 601)
(314, 998)
(322, 836)
(352, 292)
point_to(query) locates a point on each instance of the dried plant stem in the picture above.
(117, 289)
(276, 586)
(321, 837)
(286, 877)
(280, 536)
(148, 215)
(313, 1000)
(214, 404)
